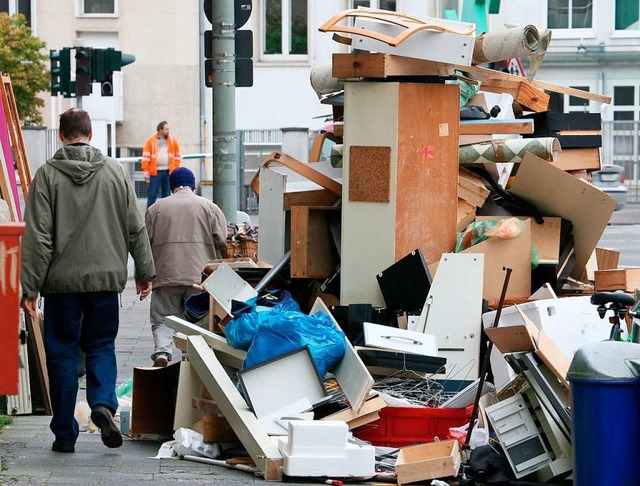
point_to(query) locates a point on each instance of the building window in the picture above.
(98, 8)
(627, 14)
(285, 28)
(570, 14)
(377, 4)
(17, 7)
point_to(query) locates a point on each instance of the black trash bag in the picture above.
(489, 465)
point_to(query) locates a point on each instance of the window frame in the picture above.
(286, 34)
(374, 4)
(14, 9)
(622, 33)
(80, 13)
(573, 32)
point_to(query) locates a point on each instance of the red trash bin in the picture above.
(9, 305)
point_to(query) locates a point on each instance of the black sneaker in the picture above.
(60, 447)
(102, 418)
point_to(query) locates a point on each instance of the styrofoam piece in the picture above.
(192, 443)
(570, 323)
(225, 285)
(278, 423)
(322, 448)
(425, 44)
(386, 337)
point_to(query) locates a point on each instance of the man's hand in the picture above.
(30, 304)
(143, 289)
(147, 176)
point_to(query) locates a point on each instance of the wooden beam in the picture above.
(226, 354)
(258, 444)
(491, 126)
(377, 65)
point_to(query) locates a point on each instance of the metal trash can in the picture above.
(605, 413)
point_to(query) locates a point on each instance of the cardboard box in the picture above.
(526, 338)
(428, 461)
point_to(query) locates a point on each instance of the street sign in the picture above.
(514, 66)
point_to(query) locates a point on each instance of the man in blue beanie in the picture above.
(185, 231)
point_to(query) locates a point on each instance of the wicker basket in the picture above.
(242, 248)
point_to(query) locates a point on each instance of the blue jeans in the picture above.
(161, 182)
(72, 322)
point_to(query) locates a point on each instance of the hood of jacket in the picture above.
(79, 162)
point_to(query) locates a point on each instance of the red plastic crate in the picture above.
(402, 426)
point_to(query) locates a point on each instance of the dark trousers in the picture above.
(73, 322)
(158, 182)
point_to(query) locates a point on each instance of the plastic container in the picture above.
(605, 404)
(402, 426)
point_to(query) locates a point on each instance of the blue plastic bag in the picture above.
(282, 332)
(241, 330)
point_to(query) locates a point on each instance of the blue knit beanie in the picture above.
(182, 177)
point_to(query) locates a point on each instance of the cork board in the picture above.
(370, 174)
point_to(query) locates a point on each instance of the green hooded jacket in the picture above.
(82, 220)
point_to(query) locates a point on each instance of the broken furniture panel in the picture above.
(421, 129)
(573, 130)
(384, 362)
(453, 313)
(578, 159)
(556, 193)
(153, 402)
(225, 285)
(189, 387)
(258, 444)
(352, 374)
(607, 258)
(405, 284)
(386, 337)
(280, 382)
(313, 251)
(367, 414)
(227, 355)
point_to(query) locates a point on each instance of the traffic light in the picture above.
(60, 71)
(83, 71)
(105, 62)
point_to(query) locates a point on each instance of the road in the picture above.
(624, 234)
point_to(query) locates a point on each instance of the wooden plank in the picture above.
(556, 193)
(352, 374)
(489, 127)
(353, 419)
(36, 348)
(626, 279)
(226, 354)
(578, 159)
(392, 65)
(258, 444)
(465, 215)
(533, 98)
(313, 252)
(607, 259)
(180, 341)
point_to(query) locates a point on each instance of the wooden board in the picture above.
(626, 279)
(556, 193)
(427, 169)
(352, 374)
(466, 214)
(189, 386)
(258, 444)
(578, 159)
(226, 354)
(369, 174)
(344, 66)
(313, 252)
(35, 343)
(607, 259)
(491, 126)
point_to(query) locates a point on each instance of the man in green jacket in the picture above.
(82, 220)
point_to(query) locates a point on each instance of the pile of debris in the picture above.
(398, 265)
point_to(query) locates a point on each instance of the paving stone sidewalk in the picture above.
(25, 446)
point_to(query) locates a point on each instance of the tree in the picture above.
(23, 59)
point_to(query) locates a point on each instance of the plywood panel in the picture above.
(426, 206)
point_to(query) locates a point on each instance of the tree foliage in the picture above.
(22, 58)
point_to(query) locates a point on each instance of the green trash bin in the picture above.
(605, 413)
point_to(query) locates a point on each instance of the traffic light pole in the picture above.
(225, 151)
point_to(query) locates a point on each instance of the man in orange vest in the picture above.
(160, 157)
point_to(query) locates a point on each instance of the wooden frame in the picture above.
(313, 253)
(259, 445)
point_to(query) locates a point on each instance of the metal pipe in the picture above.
(218, 462)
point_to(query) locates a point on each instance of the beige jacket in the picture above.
(185, 231)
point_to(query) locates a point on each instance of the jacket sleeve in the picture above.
(146, 155)
(219, 227)
(139, 245)
(37, 241)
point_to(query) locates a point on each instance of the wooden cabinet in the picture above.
(400, 179)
